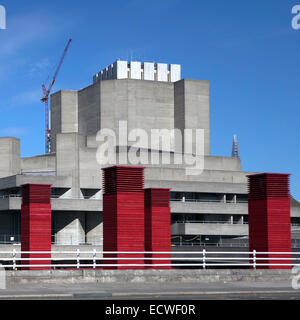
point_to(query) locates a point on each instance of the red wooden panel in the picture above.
(123, 214)
(36, 223)
(157, 226)
(269, 216)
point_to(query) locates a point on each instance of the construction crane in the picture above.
(45, 99)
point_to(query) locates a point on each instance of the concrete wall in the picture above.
(217, 169)
(67, 159)
(10, 163)
(89, 109)
(64, 114)
(209, 229)
(144, 104)
(209, 208)
(192, 109)
(45, 163)
(122, 277)
(90, 170)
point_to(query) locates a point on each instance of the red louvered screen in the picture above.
(269, 217)
(36, 224)
(157, 226)
(123, 214)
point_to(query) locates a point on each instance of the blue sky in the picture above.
(248, 51)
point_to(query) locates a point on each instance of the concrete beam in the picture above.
(211, 229)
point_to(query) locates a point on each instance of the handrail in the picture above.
(208, 200)
(204, 222)
(201, 259)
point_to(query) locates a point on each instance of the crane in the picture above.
(45, 99)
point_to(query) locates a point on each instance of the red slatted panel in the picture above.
(157, 225)
(123, 213)
(123, 179)
(269, 216)
(36, 223)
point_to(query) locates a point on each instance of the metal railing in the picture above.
(223, 244)
(53, 196)
(71, 240)
(5, 196)
(10, 238)
(210, 244)
(215, 222)
(198, 200)
(210, 200)
(202, 259)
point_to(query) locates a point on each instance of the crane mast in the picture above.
(45, 99)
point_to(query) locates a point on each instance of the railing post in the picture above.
(204, 258)
(78, 258)
(94, 258)
(14, 259)
(254, 259)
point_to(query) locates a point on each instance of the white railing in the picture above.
(202, 259)
(5, 196)
(214, 222)
(210, 200)
(53, 196)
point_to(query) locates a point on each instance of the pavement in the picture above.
(236, 290)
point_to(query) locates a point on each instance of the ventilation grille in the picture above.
(268, 185)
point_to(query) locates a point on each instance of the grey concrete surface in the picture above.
(10, 156)
(146, 276)
(221, 290)
(209, 229)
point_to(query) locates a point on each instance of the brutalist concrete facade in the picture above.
(212, 205)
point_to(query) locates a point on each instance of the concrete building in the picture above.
(209, 207)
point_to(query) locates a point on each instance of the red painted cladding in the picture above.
(269, 216)
(123, 214)
(157, 225)
(36, 223)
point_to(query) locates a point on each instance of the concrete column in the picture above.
(68, 159)
(10, 163)
(64, 114)
(192, 110)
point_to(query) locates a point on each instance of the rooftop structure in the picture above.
(140, 71)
